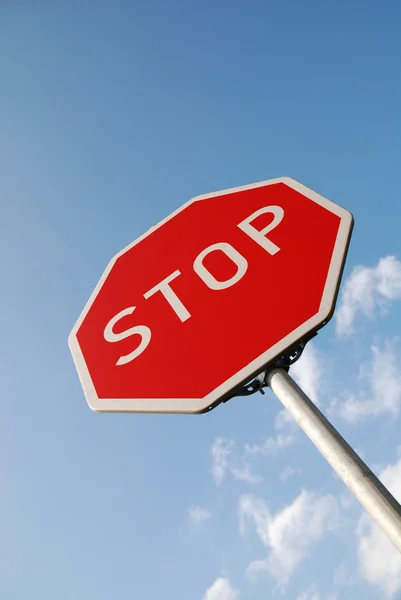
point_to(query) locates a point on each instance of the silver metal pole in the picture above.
(364, 484)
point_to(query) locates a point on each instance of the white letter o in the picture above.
(207, 277)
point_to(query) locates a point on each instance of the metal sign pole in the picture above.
(364, 484)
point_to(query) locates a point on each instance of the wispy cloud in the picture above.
(309, 595)
(288, 472)
(380, 382)
(308, 371)
(312, 594)
(221, 589)
(221, 450)
(289, 534)
(285, 421)
(379, 561)
(366, 290)
(223, 463)
(344, 577)
(197, 515)
(271, 446)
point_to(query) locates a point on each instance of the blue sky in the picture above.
(111, 116)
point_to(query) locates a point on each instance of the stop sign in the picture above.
(203, 301)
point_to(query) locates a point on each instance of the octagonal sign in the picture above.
(202, 302)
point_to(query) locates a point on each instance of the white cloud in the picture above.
(221, 464)
(285, 420)
(307, 372)
(288, 472)
(221, 590)
(309, 595)
(343, 576)
(198, 515)
(223, 460)
(244, 474)
(382, 380)
(347, 500)
(312, 594)
(271, 446)
(289, 535)
(221, 449)
(366, 289)
(379, 561)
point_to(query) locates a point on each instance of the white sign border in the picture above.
(199, 405)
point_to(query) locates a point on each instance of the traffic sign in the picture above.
(207, 298)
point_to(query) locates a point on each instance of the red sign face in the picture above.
(200, 303)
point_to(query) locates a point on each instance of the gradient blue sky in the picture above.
(113, 114)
